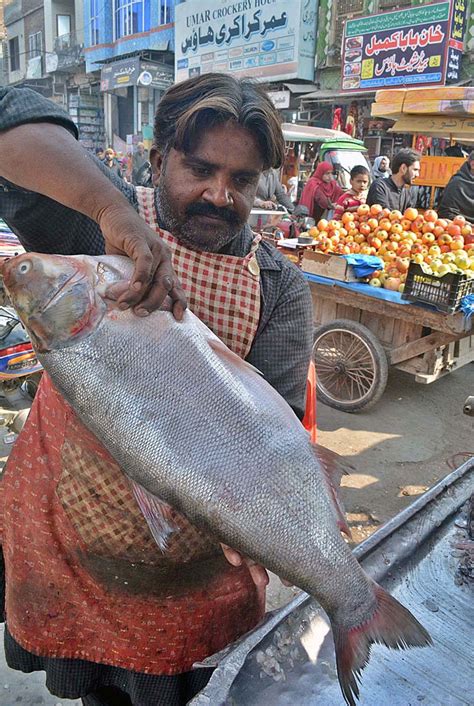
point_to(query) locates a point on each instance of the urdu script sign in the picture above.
(271, 39)
(419, 46)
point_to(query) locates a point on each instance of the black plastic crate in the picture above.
(445, 293)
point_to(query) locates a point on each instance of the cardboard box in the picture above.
(332, 266)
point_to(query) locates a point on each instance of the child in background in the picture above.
(357, 194)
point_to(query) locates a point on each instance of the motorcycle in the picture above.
(20, 370)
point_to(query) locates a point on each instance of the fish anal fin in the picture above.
(391, 625)
(334, 467)
(157, 514)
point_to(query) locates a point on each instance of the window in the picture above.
(166, 11)
(14, 53)
(35, 45)
(131, 17)
(94, 13)
(63, 25)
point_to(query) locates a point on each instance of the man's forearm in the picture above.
(45, 158)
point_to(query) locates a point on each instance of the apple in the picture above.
(375, 282)
(443, 269)
(435, 250)
(402, 264)
(392, 283)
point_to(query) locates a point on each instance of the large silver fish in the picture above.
(199, 428)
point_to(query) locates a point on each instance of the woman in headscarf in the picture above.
(381, 168)
(321, 191)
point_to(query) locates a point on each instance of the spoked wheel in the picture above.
(351, 365)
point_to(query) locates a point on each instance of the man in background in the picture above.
(458, 196)
(270, 192)
(139, 160)
(396, 192)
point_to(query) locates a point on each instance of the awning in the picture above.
(337, 96)
(300, 87)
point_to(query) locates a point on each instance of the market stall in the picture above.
(389, 289)
(446, 113)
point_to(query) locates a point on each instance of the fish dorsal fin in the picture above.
(334, 467)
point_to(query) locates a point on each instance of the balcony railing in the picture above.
(69, 51)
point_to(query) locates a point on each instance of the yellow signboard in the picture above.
(437, 171)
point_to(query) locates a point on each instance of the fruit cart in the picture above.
(360, 331)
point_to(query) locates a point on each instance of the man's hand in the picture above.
(87, 190)
(270, 205)
(257, 572)
(153, 279)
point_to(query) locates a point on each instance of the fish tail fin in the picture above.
(157, 514)
(391, 624)
(334, 467)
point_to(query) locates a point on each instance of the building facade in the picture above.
(129, 46)
(44, 50)
(332, 106)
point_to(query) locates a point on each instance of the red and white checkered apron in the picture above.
(85, 579)
(221, 289)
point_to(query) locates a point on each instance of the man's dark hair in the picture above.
(405, 156)
(188, 109)
(359, 169)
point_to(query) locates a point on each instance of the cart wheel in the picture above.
(351, 365)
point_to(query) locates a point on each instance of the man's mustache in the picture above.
(207, 209)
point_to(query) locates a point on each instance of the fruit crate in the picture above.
(445, 293)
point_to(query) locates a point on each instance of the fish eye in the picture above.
(25, 267)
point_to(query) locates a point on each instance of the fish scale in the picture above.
(198, 428)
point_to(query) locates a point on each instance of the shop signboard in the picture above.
(135, 72)
(418, 46)
(270, 39)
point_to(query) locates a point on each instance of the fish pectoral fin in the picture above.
(391, 625)
(334, 467)
(157, 514)
(221, 350)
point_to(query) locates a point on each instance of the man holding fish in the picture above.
(90, 598)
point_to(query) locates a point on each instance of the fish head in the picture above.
(58, 298)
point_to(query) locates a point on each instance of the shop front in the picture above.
(132, 89)
(414, 47)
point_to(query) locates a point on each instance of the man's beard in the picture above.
(407, 180)
(188, 230)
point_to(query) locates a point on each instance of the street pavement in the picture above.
(400, 448)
